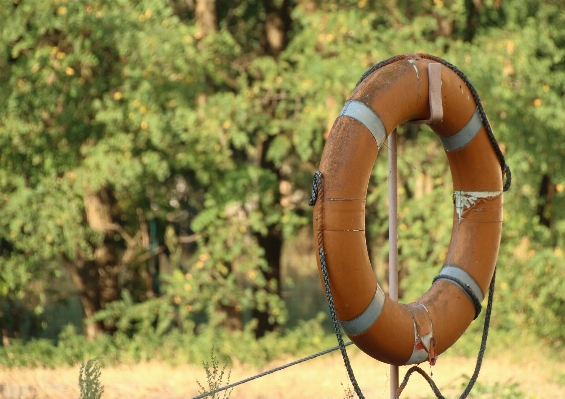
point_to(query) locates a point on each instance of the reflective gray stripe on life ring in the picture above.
(359, 111)
(361, 323)
(465, 135)
(463, 276)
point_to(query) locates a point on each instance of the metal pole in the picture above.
(392, 240)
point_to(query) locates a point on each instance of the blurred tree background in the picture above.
(156, 157)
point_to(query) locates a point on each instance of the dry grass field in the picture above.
(526, 373)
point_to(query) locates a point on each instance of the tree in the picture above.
(206, 120)
(115, 120)
(88, 156)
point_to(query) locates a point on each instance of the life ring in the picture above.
(394, 93)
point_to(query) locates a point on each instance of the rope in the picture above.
(318, 191)
(506, 172)
(476, 303)
(284, 366)
(480, 355)
(426, 377)
(316, 185)
(408, 373)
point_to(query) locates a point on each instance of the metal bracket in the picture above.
(434, 90)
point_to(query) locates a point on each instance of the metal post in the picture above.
(392, 240)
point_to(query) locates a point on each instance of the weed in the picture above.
(89, 380)
(348, 392)
(214, 377)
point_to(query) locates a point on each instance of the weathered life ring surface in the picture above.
(388, 331)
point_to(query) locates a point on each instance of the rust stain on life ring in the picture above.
(388, 331)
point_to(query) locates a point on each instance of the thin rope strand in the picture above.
(317, 193)
(271, 371)
(399, 156)
(480, 355)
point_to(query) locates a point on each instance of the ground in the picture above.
(521, 374)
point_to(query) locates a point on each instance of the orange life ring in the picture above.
(386, 97)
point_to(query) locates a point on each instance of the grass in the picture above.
(559, 378)
(525, 370)
(498, 390)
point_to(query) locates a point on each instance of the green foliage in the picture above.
(71, 349)
(89, 380)
(103, 95)
(215, 378)
(175, 347)
(152, 316)
(213, 138)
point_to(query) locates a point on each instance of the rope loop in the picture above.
(508, 182)
(316, 185)
(431, 382)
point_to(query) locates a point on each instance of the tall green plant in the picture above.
(89, 380)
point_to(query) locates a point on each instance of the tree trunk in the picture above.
(276, 27)
(98, 207)
(96, 279)
(272, 245)
(5, 338)
(86, 280)
(234, 318)
(233, 315)
(472, 8)
(545, 200)
(205, 14)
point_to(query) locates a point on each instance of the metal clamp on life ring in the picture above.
(386, 97)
